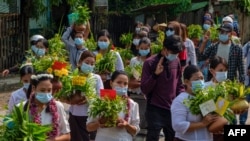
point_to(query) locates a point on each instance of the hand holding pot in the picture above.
(121, 123)
(208, 119)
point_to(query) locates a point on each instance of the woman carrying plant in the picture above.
(127, 124)
(75, 50)
(137, 62)
(45, 110)
(20, 95)
(103, 50)
(187, 126)
(78, 110)
(217, 73)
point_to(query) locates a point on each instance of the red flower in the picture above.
(110, 94)
(58, 65)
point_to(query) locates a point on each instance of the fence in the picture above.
(12, 40)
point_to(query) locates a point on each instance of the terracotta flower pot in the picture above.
(217, 125)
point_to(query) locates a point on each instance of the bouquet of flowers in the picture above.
(77, 87)
(107, 107)
(59, 68)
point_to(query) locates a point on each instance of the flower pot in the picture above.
(217, 125)
(240, 106)
(77, 98)
(56, 85)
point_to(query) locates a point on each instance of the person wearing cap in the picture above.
(225, 48)
(39, 46)
(235, 25)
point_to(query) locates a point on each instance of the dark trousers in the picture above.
(78, 128)
(157, 119)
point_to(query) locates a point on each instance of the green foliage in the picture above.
(83, 15)
(18, 126)
(134, 71)
(245, 6)
(194, 31)
(126, 54)
(126, 39)
(107, 109)
(91, 43)
(106, 63)
(57, 47)
(157, 46)
(214, 33)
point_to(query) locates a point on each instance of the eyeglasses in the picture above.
(169, 28)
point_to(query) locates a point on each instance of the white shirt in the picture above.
(119, 134)
(190, 51)
(223, 50)
(46, 118)
(82, 110)
(182, 118)
(15, 98)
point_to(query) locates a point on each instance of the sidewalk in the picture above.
(9, 83)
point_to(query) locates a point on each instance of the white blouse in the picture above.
(182, 118)
(119, 134)
(15, 98)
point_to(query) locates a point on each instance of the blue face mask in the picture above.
(103, 45)
(223, 37)
(38, 51)
(85, 68)
(221, 76)
(171, 57)
(79, 41)
(121, 91)
(169, 32)
(26, 85)
(43, 97)
(206, 26)
(196, 85)
(143, 52)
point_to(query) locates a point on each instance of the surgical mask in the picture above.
(38, 51)
(103, 45)
(221, 76)
(136, 42)
(137, 29)
(171, 57)
(85, 68)
(144, 52)
(26, 85)
(79, 41)
(206, 26)
(223, 37)
(199, 84)
(121, 90)
(43, 97)
(169, 32)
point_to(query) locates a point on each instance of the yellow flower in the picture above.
(64, 71)
(79, 80)
(49, 70)
(98, 57)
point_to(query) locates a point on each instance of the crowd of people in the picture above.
(167, 78)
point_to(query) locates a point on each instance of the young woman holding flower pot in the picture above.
(128, 121)
(45, 110)
(79, 106)
(187, 126)
(103, 48)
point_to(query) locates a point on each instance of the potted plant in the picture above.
(126, 55)
(195, 32)
(126, 39)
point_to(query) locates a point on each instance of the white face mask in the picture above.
(136, 42)
(221, 76)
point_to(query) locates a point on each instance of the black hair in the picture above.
(145, 40)
(173, 43)
(116, 73)
(189, 71)
(214, 62)
(103, 32)
(35, 82)
(44, 42)
(27, 69)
